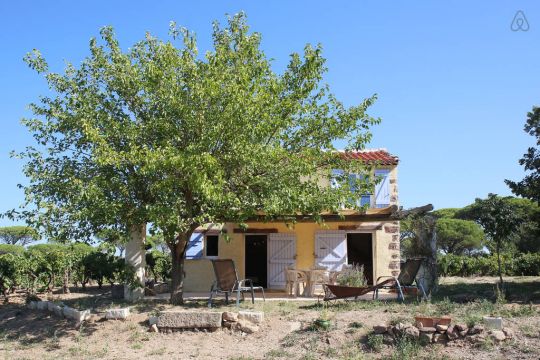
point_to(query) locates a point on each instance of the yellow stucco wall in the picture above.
(385, 240)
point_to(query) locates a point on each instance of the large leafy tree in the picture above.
(455, 236)
(18, 235)
(529, 187)
(498, 218)
(160, 134)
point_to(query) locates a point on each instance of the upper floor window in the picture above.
(379, 198)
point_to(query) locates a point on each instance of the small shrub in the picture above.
(375, 342)
(356, 325)
(353, 277)
(406, 349)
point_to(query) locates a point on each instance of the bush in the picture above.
(375, 342)
(486, 265)
(353, 276)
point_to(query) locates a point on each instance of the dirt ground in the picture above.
(287, 332)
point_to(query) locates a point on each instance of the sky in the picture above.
(454, 82)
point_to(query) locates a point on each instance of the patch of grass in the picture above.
(331, 352)
(242, 357)
(405, 349)
(375, 342)
(445, 307)
(136, 346)
(399, 319)
(157, 352)
(356, 325)
(530, 331)
(276, 354)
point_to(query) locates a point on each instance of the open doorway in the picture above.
(359, 252)
(256, 260)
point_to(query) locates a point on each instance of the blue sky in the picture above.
(454, 82)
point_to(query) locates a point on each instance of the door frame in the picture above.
(373, 248)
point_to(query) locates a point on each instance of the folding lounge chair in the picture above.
(227, 282)
(405, 280)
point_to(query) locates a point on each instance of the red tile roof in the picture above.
(372, 156)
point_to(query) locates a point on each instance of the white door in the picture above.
(331, 249)
(281, 254)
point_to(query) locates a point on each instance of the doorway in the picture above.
(256, 259)
(359, 252)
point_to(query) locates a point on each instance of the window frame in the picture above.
(205, 246)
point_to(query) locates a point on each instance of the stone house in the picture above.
(266, 249)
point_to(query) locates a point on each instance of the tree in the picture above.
(498, 219)
(527, 236)
(455, 236)
(160, 134)
(18, 235)
(529, 187)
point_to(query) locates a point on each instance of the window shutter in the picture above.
(195, 246)
(333, 181)
(382, 190)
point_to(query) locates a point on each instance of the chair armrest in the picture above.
(244, 283)
(385, 277)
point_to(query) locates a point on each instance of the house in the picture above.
(266, 249)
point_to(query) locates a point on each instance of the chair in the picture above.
(317, 277)
(227, 282)
(405, 280)
(294, 279)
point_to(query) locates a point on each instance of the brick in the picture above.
(393, 246)
(395, 273)
(189, 319)
(393, 198)
(395, 237)
(392, 181)
(395, 256)
(391, 229)
(393, 265)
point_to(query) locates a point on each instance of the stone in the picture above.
(412, 332)
(463, 333)
(154, 328)
(476, 329)
(388, 339)
(295, 326)
(461, 327)
(115, 314)
(379, 329)
(58, 311)
(509, 333)
(441, 328)
(42, 305)
(152, 320)
(451, 332)
(78, 316)
(493, 322)
(189, 319)
(476, 339)
(32, 305)
(255, 317)
(429, 330)
(439, 338)
(247, 326)
(497, 335)
(425, 338)
(230, 316)
(50, 306)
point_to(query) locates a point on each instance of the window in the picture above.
(212, 245)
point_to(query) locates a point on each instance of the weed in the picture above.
(406, 349)
(136, 346)
(276, 354)
(375, 342)
(445, 307)
(356, 325)
(331, 352)
(157, 352)
(530, 331)
(398, 319)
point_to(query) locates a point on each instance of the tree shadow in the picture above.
(524, 292)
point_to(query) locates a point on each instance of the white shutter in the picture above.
(382, 190)
(281, 254)
(331, 249)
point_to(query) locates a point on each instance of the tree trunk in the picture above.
(65, 285)
(178, 252)
(135, 256)
(499, 265)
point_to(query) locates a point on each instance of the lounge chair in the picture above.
(406, 280)
(227, 282)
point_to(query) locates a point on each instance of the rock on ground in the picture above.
(189, 319)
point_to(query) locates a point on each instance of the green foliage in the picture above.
(499, 220)
(375, 342)
(159, 264)
(12, 249)
(18, 235)
(529, 187)
(457, 236)
(353, 276)
(11, 271)
(527, 264)
(159, 134)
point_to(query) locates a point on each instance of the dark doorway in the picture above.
(359, 253)
(256, 264)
